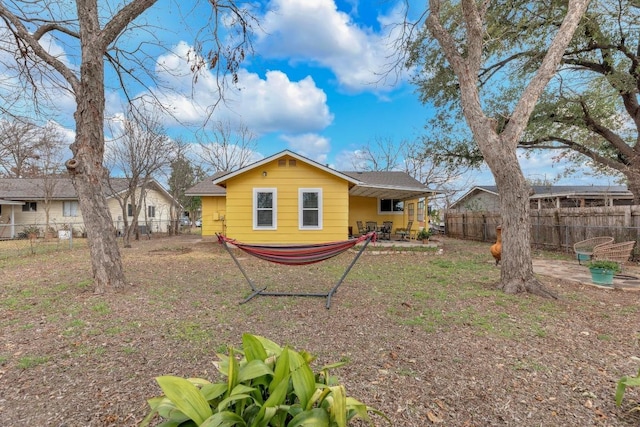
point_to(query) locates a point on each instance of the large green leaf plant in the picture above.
(266, 385)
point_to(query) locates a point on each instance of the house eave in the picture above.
(390, 192)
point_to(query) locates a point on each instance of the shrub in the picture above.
(29, 231)
(424, 234)
(266, 385)
(605, 265)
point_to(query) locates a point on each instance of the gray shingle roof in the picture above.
(206, 187)
(386, 178)
(61, 188)
(382, 184)
(34, 189)
(563, 190)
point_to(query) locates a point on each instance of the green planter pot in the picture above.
(602, 276)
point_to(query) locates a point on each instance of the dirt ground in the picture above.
(427, 337)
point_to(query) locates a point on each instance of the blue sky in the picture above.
(313, 87)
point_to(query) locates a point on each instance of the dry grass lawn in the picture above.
(427, 338)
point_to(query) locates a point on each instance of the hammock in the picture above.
(295, 255)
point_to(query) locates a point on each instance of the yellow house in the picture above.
(288, 198)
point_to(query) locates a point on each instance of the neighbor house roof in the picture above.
(34, 189)
(553, 191)
(206, 187)
(381, 184)
(581, 191)
(27, 189)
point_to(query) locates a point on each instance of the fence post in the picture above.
(484, 228)
(464, 225)
(558, 226)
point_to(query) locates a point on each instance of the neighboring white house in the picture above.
(486, 197)
(24, 202)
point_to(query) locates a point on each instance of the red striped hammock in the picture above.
(297, 254)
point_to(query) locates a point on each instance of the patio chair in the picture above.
(372, 226)
(361, 230)
(404, 232)
(385, 230)
(617, 252)
(584, 249)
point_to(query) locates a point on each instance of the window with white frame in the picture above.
(310, 208)
(151, 211)
(391, 206)
(70, 208)
(421, 210)
(265, 212)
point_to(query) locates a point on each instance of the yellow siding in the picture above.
(213, 216)
(366, 209)
(287, 179)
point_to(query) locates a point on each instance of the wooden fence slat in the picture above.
(556, 229)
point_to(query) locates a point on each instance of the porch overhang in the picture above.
(390, 192)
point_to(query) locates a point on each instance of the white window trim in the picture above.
(301, 191)
(381, 212)
(273, 191)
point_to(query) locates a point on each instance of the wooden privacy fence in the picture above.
(553, 229)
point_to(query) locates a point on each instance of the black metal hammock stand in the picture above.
(296, 255)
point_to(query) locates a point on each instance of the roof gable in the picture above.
(221, 180)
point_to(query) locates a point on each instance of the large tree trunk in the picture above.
(499, 150)
(633, 180)
(86, 169)
(516, 274)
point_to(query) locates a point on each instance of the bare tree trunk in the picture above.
(86, 168)
(633, 182)
(499, 150)
(516, 274)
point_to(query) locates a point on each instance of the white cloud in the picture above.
(272, 104)
(349, 160)
(310, 145)
(316, 31)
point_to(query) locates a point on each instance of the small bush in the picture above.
(605, 265)
(266, 385)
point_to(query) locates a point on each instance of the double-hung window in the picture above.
(310, 208)
(265, 212)
(70, 208)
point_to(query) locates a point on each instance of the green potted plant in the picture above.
(424, 235)
(602, 271)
